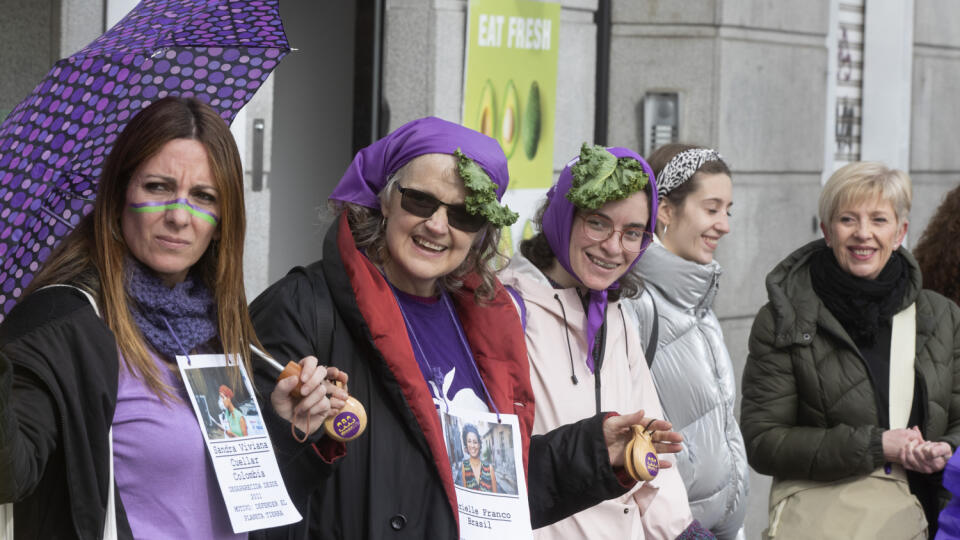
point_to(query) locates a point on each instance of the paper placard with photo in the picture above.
(238, 444)
(486, 458)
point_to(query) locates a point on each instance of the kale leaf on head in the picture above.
(600, 177)
(482, 193)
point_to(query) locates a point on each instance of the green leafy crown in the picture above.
(600, 177)
(482, 193)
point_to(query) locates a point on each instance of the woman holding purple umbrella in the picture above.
(98, 437)
(405, 301)
(595, 224)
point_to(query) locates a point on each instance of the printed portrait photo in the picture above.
(481, 455)
(224, 403)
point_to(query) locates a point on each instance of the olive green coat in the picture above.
(808, 409)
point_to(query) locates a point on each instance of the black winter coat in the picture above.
(58, 390)
(395, 480)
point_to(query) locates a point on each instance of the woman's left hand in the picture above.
(925, 457)
(617, 433)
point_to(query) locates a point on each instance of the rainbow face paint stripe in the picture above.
(175, 204)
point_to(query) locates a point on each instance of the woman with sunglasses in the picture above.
(691, 366)
(584, 356)
(405, 301)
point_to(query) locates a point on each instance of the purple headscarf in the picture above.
(557, 225)
(367, 174)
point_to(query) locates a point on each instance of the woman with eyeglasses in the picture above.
(405, 301)
(688, 358)
(585, 355)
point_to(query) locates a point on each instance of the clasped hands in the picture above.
(907, 447)
(321, 397)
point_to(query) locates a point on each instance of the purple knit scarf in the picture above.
(558, 222)
(188, 308)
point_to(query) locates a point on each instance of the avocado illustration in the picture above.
(505, 247)
(487, 119)
(531, 122)
(527, 230)
(510, 123)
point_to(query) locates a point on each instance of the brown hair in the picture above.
(938, 251)
(369, 227)
(93, 255)
(661, 156)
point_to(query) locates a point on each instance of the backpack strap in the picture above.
(651, 349)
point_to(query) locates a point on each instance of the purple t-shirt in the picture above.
(164, 477)
(444, 358)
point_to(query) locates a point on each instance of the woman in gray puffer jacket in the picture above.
(690, 365)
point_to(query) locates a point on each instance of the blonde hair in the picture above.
(93, 255)
(864, 181)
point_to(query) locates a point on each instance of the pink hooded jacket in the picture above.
(652, 510)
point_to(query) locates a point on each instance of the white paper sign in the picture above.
(486, 458)
(237, 443)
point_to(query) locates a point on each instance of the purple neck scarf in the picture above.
(188, 308)
(367, 174)
(557, 225)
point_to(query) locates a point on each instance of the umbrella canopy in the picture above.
(53, 144)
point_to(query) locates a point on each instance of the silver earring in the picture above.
(665, 229)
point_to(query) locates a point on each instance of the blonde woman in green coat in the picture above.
(823, 399)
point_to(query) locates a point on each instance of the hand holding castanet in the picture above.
(348, 424)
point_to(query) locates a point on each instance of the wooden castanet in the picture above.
(640, 456)
(349, 423)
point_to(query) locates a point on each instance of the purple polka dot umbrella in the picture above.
(53, 144)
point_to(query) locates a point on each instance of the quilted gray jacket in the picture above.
(696, 384)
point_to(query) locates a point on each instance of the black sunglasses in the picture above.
(425, 205)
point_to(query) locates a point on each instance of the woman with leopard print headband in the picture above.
(689, 361)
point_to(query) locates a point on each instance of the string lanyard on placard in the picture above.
(177, 339)
(435, 372)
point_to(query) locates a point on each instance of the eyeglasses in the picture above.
(425, 205)
(598, 228)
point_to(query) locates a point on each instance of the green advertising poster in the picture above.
(511, 82)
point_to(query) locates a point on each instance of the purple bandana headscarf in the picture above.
(367, 174)
(557, 225)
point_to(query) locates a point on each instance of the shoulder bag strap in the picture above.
(903, 344)
(110, 523)
(6, 520)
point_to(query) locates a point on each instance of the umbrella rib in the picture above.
(52, 214)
